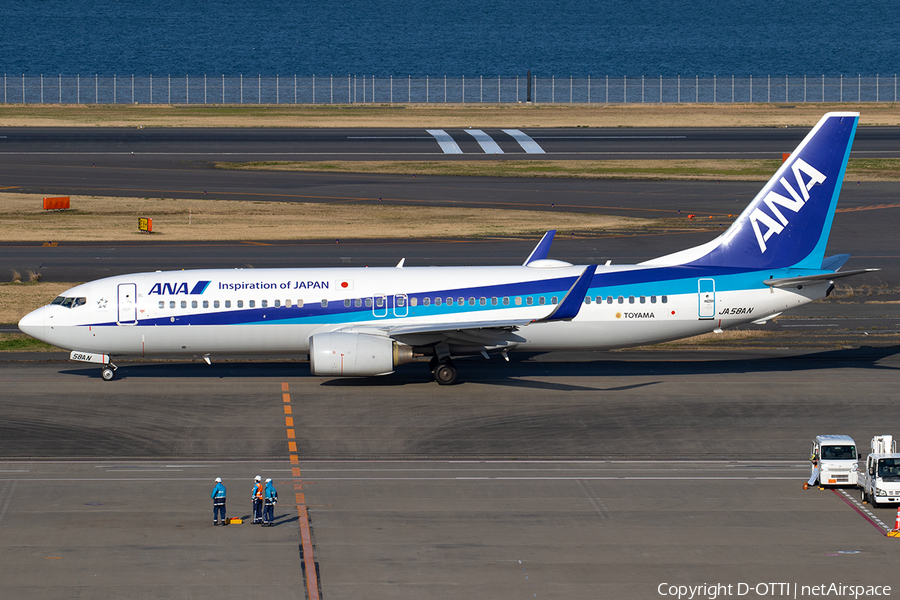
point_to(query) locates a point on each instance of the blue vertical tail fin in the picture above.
(788, 222)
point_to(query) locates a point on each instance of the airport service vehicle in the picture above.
(837, 459)
(364, 322)
(879, 479)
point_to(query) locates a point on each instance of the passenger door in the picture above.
(706, 297)
(127, 302)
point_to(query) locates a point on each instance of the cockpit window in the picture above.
(70, 302)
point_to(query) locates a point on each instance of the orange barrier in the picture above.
(145, 225)
(59, 203)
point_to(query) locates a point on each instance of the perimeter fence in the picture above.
(355, 89)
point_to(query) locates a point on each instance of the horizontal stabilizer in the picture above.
(809, 279)
(834, 263)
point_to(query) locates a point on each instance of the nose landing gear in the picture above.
(108, 372)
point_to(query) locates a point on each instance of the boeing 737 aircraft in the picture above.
(362, 322)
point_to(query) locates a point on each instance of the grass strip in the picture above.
(858, 169)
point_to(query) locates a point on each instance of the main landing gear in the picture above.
(108, 372)
(444, 371)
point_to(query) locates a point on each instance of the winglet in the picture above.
(541, 251)
(572, 302)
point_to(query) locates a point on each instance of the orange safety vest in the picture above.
(258, 491)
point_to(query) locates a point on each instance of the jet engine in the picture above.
(355, 354)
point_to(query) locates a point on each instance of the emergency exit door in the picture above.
(706, 296)
(127, 304)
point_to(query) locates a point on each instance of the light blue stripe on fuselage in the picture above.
(620, 283)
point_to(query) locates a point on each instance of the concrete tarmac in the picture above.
(544, 478)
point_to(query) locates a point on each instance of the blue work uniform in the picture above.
(257, 496)
(218, 498)
(270, 500)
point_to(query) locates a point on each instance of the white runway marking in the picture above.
(528, 144)
(486, 142)
(446, 142)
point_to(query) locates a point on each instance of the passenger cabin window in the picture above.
(216, 304)
(278, 304)
(184, 304)
(529, 300)
(264, 304)
(518, 300)
(252, 304)
(324, 302)
(505, 300)
(240, 304)
(426, 301)
(193, 304)
(368, 303)
(553, 300)
(541, 301)
(664, 299)
(228, 304)
(347, 302)
(162, 304)
(206, 304)
(437, 301)
(300, 303)
(413, 301)
(171, 304)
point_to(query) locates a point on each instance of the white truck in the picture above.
(836, 458)
(879, 479)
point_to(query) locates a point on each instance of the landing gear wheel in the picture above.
(108, 373)
(445, 373)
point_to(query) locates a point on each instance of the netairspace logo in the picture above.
(711, 591)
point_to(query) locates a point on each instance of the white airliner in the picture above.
(363, 322)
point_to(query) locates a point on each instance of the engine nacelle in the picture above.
(355, 354)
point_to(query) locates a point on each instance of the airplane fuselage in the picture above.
(269, 311)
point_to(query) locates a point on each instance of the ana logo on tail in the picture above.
(773, 200)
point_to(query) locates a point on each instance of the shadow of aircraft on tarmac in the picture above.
(524, 370)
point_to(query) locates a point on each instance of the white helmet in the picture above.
(257, 478)
(218, 480)
(268, 481)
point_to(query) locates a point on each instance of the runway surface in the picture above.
(569, 475)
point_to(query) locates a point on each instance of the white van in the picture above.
(837, 459)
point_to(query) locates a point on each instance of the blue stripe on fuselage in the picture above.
(637, 282)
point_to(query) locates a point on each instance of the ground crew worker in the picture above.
(271, 499)
(258, 495)
(814, 459)
(218, 498)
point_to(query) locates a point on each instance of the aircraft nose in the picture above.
(33, 323)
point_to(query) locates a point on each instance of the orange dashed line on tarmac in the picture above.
(309, 561)
(870, 207)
